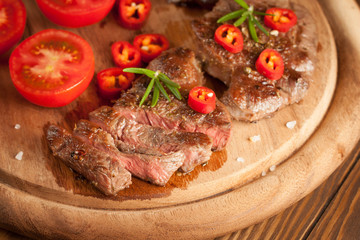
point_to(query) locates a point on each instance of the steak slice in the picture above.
(152, 168)
(133, 137)
(175, 115)
(181, 66)
(102, 169)
(250, 95)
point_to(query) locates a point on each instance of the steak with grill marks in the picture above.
(133, 137)
(101, 168)
(152, 168)
(250, 95)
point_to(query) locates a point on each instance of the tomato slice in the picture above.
(150, 45)
(12, 23)
(75, 13)
(52, 67)
(282, 19)
(125, 55)
(270, 64)
(112, 81)
(202, 99)
(133, 13)
(229, 37)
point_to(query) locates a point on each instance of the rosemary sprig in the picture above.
(246, 13)
(157, 80)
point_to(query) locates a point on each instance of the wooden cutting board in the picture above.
(39, 196)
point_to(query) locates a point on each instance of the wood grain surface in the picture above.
(299, 220)
(297, 176)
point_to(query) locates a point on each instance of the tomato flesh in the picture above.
(52, 67)
(112, 81)
(125, 55)
(229, 37)
(150, 45)
(270, 64)
(12, 23)
(202, 99)
(75, 13)
(282, 19)
(133, 13)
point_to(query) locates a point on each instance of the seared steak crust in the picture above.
(133, 137)
(99, 167)
(152, 168)
(250, 95)
(181, 66)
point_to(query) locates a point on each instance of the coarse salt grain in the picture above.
(17, 126)
(156, 74)
(291, 124)
(274, 33)
(240, 159)
(272, 168)
(263, 173)
(19, 155)
(255, 138)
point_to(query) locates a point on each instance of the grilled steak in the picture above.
(99, 167)
(175, 115)
(181, 66)
(152, 168)
(133, 137)
(250, 95)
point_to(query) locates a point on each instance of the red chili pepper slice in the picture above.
(133, 13)
(125, 55)
(112, 81)
(229, 37)
(202, 99)
(270, 64)
(150, 45)
(283, 19)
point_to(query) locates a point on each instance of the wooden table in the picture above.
(331, 211)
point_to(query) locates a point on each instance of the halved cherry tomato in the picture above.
(133, 13)
(112, 81)
(270, 64)
(283, 19)
(73, 13)
(125, 55)
(150, 45)
(229, 37)
(52, 67)
(12, 23)
(202, 99)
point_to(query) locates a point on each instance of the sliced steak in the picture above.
(175, 115)
(153, 168)
(251, 96)
(181, 66)
(102, 169)
(133, 137)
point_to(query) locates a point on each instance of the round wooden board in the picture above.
(41, 197)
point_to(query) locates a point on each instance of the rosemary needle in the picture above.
(246, 13)
(157, 80)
